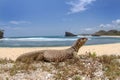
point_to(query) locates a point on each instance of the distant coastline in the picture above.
(107, 33)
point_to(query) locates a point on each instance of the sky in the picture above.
(54, 17)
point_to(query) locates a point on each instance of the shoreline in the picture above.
(61, 46)
(100, 49)
(110, 36)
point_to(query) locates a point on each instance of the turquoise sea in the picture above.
(49, 41)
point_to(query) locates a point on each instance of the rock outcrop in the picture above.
(1, 34)
(69, 34)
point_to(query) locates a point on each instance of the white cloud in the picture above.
(19, 22)
(115, 24)
(79, 5)
(102, 25)
(88, 29)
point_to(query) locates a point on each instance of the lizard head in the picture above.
(79, 43)
(82, 41)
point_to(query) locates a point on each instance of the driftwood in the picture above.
(53, 55)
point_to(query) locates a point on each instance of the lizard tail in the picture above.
(31, 56)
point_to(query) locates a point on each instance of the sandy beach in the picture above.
(104, 49)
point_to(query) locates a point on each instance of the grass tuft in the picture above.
(5, 60)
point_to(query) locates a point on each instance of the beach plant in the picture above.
(77, 77)
(7, 78)
(13, 70)
(110, 66)
(107, 58)
(93, 54)
(22, 67)
(5, 60)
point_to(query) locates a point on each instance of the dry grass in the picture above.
(110, 66)
(21, 67)
(5, 60)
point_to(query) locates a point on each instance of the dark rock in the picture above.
(1, 34)
(69, 34)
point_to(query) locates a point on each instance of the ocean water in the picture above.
(49, 41)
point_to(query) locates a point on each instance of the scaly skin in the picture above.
(53, 55)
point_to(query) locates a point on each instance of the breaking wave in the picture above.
(38, 39)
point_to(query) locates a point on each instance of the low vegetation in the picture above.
(88, 66)
(110, 32)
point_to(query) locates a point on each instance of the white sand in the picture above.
(104, 49)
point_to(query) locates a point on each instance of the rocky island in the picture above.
(1, 34)
(69, 34)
